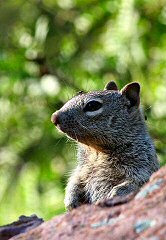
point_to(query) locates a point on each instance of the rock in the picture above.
(22, 225)
(140, 216)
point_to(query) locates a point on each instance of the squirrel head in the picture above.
(102, 119)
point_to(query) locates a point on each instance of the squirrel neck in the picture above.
(116, 151)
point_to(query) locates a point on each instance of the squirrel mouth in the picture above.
(69, 133)
(60, 129)
(67, 128)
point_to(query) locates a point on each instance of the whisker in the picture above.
(58, 142)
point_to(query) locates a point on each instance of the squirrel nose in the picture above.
(54, 118)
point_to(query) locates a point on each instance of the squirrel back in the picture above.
(115, 152)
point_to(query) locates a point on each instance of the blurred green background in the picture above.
(50, 49)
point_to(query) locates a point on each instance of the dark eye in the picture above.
(92, 106)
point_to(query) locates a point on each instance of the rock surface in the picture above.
(140, 216)
(22, 225)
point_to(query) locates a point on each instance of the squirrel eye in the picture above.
(92, 106)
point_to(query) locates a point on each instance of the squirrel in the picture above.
(116, 154)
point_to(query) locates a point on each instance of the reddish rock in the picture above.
(140, 216)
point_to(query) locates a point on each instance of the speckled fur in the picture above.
(115, 152)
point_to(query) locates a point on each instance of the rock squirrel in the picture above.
(116, 155)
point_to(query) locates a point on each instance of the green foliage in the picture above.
(49, 50)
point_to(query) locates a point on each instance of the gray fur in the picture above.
(116, 155)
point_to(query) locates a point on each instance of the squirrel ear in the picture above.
(111, 86)
(132, 92)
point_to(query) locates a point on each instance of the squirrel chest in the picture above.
(99, 174)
